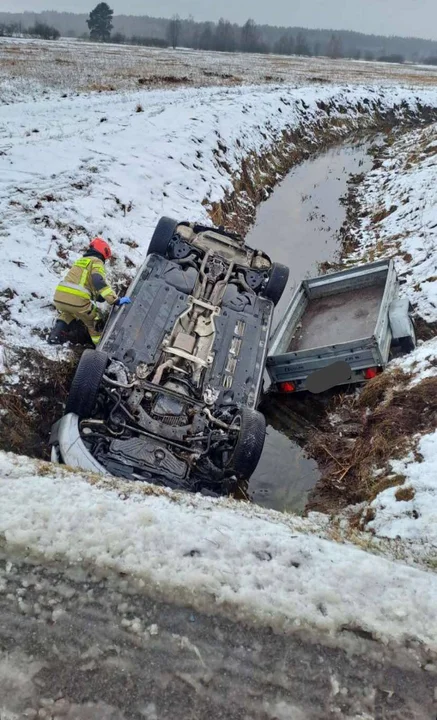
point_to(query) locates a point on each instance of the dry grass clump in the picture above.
(391, 417)
(405, 494)
(381, 388)
(383, 214)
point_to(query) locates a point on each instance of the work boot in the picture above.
(59, 333)
(78, 334)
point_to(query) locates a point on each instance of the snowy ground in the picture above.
(33, 66)
(398, 206)
(251, 564)
(398, 203)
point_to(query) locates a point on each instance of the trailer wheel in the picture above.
(408, 343)
(277, 282)
(86, 383)
(162, 236)
(249, 445)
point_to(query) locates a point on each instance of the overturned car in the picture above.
(170, 395)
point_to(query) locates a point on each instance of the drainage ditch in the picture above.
(299, 226)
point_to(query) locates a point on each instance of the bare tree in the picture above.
(285, 45)
(174, 31)
(249, 37)
(334, 48)
(224, 38)
(302, 47)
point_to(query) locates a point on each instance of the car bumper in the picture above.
(68, 447)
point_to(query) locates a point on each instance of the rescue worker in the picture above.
(76, 295)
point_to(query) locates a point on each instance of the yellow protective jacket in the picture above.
(84, 283)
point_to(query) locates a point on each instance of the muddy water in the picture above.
(299, 226)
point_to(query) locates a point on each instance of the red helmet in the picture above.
(101, 246)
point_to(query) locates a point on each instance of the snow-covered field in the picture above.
(32, 66)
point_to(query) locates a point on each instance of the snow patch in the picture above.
(416, 519)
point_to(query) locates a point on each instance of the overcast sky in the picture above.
(387, 17)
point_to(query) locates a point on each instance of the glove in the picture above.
(123, 301)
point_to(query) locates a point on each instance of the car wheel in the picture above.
(276, 283)
(162, 236)
(86, 383)
(249, 445)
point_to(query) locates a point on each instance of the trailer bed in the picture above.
(339, 318)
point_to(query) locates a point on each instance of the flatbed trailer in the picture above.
(340, 328)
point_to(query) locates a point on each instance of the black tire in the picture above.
(407, 345)
(162, 236)
(249, 445)
(277, 282)
(86, 383)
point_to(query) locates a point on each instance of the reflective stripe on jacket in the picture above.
(85, 282)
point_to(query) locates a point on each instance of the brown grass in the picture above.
(405, 494)
(386, 483)
(383, 214)
(391, 417)
(425, 330)
(99, 87)
(379, 388)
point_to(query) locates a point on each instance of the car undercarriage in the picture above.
(170, 394)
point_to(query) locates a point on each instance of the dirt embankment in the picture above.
(30, 407)
(363, 433)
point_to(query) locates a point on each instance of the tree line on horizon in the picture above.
(101, 25)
